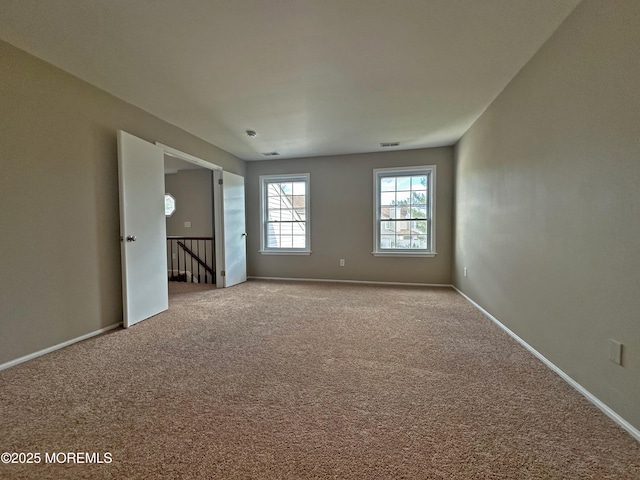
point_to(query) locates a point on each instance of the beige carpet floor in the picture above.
(308, 380)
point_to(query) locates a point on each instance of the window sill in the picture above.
(285, 252)
(403, 254)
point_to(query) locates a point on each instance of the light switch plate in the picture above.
(615, 352)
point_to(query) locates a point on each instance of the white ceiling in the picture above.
(312, 77)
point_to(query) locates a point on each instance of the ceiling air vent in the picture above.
(271, 154)
(390, 144)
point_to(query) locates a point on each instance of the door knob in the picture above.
(131, 238)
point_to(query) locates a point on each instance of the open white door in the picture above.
(233, 230)
(142, 229)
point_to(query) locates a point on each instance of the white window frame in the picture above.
(378, 174)
(174, 205)
(293, 177)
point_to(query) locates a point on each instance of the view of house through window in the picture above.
(403, 202)
(285, 213)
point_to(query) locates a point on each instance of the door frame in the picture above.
(218, 227)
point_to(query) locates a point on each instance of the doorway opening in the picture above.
(200, 183)
(189, 212)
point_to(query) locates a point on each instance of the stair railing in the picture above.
(191, 259)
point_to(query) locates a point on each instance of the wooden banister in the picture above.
(194, 256)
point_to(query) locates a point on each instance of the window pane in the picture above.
(387, 184)
(286, 213)
(273, 190)
(273, 228)
(387, 227)
(402, 198)
(297, 201)
(387, 241)
(299, 241)
(273, 235)
(387, 198)
(419, 241)
(286, 228)
(419, 226)
(286, 241)
(402, 212)
(419, 198)
(403, 241)
(403, 183)
(298, 228)
(274, 214)
(300, 214)
(169, 205)
(402, 227)
(287, 188)
(273, 202)
(299, 188)
(419, 182)
(418, 212)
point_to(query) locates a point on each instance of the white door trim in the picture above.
(187, 157)
(218, 213)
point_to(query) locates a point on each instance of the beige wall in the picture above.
(342, 219)
(59, 222)
(548, 202)
(193, 192)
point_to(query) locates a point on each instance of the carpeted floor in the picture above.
(307, 380)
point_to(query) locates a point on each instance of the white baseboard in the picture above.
(351, 281)
(31, 356)
(633, 431)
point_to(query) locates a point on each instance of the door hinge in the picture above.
(219, 181)
(223, 273)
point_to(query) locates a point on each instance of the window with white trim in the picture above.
(404, 211)
(169, 205)
(284, 207)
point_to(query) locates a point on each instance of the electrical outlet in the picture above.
(342, 262)
(615, 352)
(187, 224)
(465, 271)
